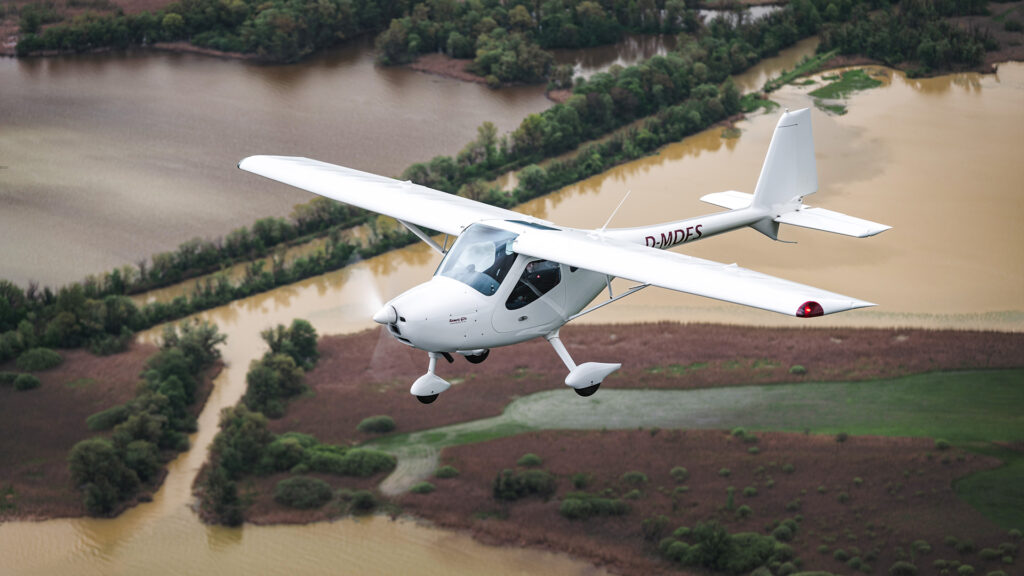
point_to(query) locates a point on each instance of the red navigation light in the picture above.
(809, 310)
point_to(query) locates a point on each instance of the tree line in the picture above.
(150, 429)
(245, 445)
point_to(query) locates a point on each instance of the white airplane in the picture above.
(509, 277)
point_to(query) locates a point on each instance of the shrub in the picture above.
(633, 494)
(746, 551)
(787, 468)
(654, 528)
(738, 432)
(302, 492)
(422, 488)
(965, 547)
(902, 568)
(965, 570)
(783, 533)
(724, 472)
(446, 472)
(677, 551)
(377, 425)
(7, 378)
(841, 555)
(793, 505)
(38, 359)
(950, 541)
(107, 419)
(797, 369)
(744, 512)
(26, 382)
(843, 497)
(941, 444)
(284, 453)
(858, 481)
(362, 502)
(580, 480)
(750, 491)
(510, 485)
(996, 573)
(855, 562)
(1014, 534)
(679, 474)
(529, 460)
(786, 569)
(990, 554)
(581, 506)
(754, 450)
(634, 478)
(842, 437)
(361, 462)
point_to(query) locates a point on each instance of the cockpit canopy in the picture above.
(480, 258)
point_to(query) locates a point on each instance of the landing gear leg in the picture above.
(586, 378)
(427, 387)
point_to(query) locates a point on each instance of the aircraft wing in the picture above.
(404, 201)
(682, 273)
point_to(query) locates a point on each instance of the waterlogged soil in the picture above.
(905, 494)
(39, 427)
(369, 373)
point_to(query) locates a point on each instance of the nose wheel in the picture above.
(427, 387)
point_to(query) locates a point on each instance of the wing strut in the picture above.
(609, 300)
(423, 236)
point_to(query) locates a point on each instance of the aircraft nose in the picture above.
(386, 315)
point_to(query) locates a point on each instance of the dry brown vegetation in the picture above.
(370, 373)
(904, 496)
(39, 427)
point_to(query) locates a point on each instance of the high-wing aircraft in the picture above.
(509, 277)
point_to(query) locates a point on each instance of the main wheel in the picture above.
(479, 357)
(427, 399)
(588, 391)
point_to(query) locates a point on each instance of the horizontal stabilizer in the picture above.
(731, 199)
(835, 222)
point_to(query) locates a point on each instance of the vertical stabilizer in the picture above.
(789, 172)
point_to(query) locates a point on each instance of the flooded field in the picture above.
(934, 158)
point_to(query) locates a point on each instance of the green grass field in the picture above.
(849, 81)
(969, 409)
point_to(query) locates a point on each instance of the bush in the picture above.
(750, 491)
(786, 569)
(990, 554)
(996, 573)
(38, 359)
(7, 378)
(787, 468)
(797, 369)
(965, 547)
(679, 474)
(941, 444)
(965, 570)
(746, 551)
(26, 382)
(654, 528)
(841, 555)
(744, 512)
(581, 480)
(784, 533)
(754, 450)
(634, 478)
(422, 488)
(510, 485)
(724, 472)
(843, 497)
(1014, 534)
(107, 419)
(377, 425)
(362, 502)
(529, 460)
(902, 568)
(581, 506)
(446, 472)
(842, 437)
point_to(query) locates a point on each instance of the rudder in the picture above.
(789, 172)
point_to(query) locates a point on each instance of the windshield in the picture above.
(480, 258)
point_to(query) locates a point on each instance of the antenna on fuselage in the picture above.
(621, 202)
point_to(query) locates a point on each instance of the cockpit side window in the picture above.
(539, 277)
(480, 258)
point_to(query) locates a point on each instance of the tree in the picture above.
(97, 469)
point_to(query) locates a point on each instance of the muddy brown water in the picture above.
(934, 158)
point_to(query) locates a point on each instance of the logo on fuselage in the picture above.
(673, 237)
(458, 320)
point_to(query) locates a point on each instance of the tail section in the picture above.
(788, 175)
(789, 172)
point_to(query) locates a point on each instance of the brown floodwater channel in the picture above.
(937, 159)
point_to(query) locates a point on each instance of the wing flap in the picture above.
(835, 222)
(405, 201)
(679, 272)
